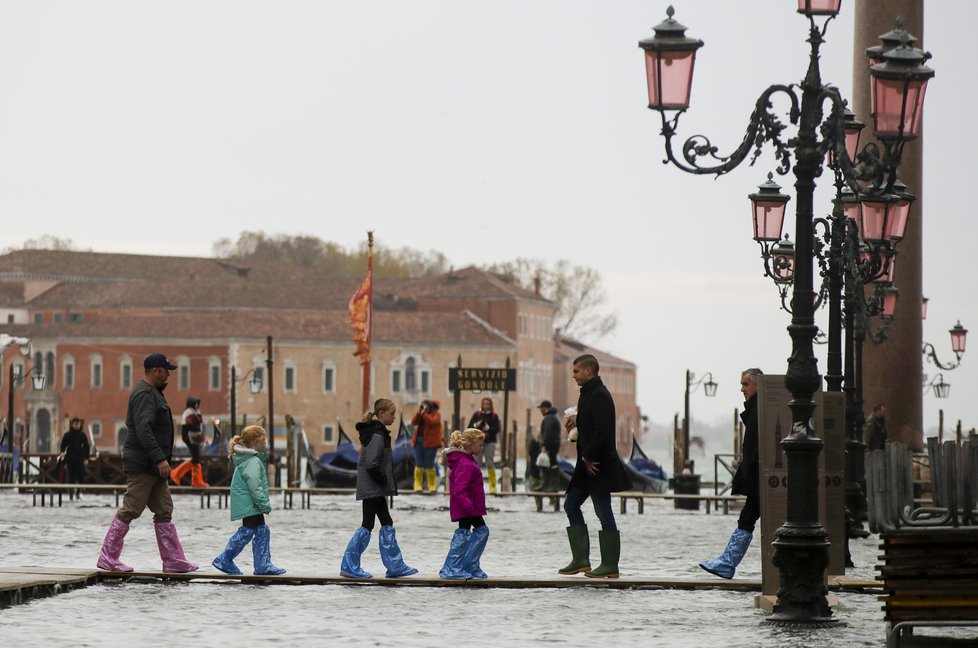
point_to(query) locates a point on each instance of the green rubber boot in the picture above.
(610, 542)
(580, 550)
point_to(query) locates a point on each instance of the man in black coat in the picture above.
(597, 474)
(550, 441)
(746, 481)
(146, 460)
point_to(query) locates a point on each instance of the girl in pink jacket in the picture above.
(467, 505)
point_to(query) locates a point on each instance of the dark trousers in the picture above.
(469, 522)
(375, 507)
(750, 514)
(576, 497)
(253, 521)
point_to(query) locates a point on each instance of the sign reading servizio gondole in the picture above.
(481, 379)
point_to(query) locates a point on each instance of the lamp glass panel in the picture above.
(852, 142)
(942, 389)
(898, 220)
(897, 103)
(851, 210)
(889, 304)
(958, 340)
(819, 7)
(768, 219)
(670, 78)
(873, 220)
(38, 380)
(923, 308)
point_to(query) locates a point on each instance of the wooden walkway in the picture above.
(21, 584)
(56, 494)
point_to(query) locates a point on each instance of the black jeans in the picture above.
(253, 521)
(469, 522)
(750, 514)
(375, 507)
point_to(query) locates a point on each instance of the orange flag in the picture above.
(360, 313)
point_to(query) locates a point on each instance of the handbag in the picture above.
(543, 460)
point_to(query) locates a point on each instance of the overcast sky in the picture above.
(486, 130)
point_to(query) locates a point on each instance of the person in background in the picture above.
(467, 506)
(874, 431)
(487, 421)
(426, 441)
(146, 460)
(250, 504)
(75, 452)
(193, 437)
(746, 481)
(375, 483)
(550, 442)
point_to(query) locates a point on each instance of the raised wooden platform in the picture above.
(20, 584)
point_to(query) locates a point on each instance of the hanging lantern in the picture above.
(669, 59)
(959, 338)
(768, 204)
(898, 87)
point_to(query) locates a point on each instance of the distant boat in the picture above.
(646, 474)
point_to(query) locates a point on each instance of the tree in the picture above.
(46, 242)
(312, 253)
(577, 293)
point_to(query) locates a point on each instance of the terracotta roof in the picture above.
(12, 293)
(333, 326)
(467, 283)
(566, 349)
(100, 266)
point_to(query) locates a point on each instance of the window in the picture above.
(96, 371)
(260, 374)
(329, 434)
(410, 378)
(69, 372)
(396, 381)
(125, 373)
(289, 378)
(74, 317)
(214, 374)
(49, 369)
(183, 369)
(329, 378)
(38, 318)
(425, 380)
(96, 427)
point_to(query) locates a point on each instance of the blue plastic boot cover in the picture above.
(390, 553)
(453, 561)
(350, 567)
(473, 552)
(725, 565)
(237, 542)
(262, 551)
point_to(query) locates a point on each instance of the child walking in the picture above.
(375, 483)
(249, 503)
(467, 505)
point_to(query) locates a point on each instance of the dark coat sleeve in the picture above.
(144, 415)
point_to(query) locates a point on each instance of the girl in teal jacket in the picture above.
(249, 503)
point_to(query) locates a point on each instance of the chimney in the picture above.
(536, 285)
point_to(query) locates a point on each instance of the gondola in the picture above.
(338, 469)
(646, 474)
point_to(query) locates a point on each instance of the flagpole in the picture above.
(370, 320)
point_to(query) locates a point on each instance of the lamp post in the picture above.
(254, 386)
(898, 84)
(710, 389)
(959, 340)
(24, 343)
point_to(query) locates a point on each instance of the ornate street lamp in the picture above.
(959, 341)
(801, 546)
(710, 389)
(941, 389)
(923, 307)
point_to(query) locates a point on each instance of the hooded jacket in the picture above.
(468, 498)
(149, 430)
(550, 430)
(375, 468)
(249, 485)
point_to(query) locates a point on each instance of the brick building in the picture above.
(92, 317)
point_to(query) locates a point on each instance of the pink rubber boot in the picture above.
(112, 547)
(171, 551)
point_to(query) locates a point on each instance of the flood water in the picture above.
(662, 543)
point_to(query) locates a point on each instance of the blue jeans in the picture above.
(576, 497)
(424, 457)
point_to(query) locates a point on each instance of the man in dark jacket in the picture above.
(145, 459)
(550, 441)
(75, 451)
(874, 432)
(746, 481)
(597, 474)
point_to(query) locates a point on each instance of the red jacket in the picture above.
(429, 425)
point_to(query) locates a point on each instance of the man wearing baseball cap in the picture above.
(145, 458)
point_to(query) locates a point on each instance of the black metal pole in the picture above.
(685, 457)
(271, 410)
(234, 400)
(801, 547)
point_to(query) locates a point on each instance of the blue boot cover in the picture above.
(350, 567)
(473, 552)
(725, 565)
(390, 553)
(453, 561)
(225, 562)
(262, 552)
